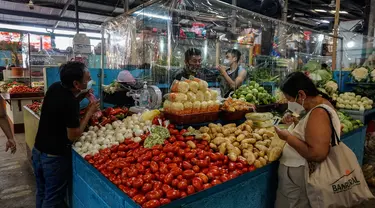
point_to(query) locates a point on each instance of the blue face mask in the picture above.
(89, 86)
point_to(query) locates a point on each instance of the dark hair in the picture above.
(297, 81)
(192, 52)
(235, 53)
(70, 72)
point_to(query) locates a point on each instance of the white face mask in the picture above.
(296, 108)
(226, 62)
(89, 86)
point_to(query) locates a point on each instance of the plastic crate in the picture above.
(345, 78)
(355, 140)
(256, 189)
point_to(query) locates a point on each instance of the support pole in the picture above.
(335, 34)
(126, 6)
(77, 16)
(67, 4)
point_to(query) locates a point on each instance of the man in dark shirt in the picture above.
(59, 127)
(193, 61)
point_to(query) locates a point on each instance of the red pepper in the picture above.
(108, 111)
(117, 111)
(113, 118)
(105, 121)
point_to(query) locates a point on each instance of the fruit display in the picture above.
(179, 167)
(241, 142)
(5, 86)
(111, 88)
(261, 120)
(253, 93)
(350, 100)
(232, 105)
(348, 123)
(190, 97)
(107, 116)
(24, 89)
(36, 107)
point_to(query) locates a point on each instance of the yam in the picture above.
(261, 154)
(257, 136)
(240, 137)
(218, 140)
(236, 144)
(232, 156)
(263, 161)
(238, 132)
(257, 164)
(251, 141)
(229, 125)
(261, 147)
(250, 158)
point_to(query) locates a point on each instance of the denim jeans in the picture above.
(52, 175)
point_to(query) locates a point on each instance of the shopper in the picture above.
(59, 127)
(308, 143)
(193, 59)
(231, 78)
(6, 127)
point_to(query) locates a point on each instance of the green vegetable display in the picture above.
(254, 93)
(157, 136)
(348, 123)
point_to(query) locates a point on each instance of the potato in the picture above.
(213, 146)
(238, 132)
(249, 122)
(191, 144)
(232, 138)
(227, 132)
(258, 164)
(234, 149)
(261, 154)
(247, 134)
(256, 154)
(257, 136)
(244, 146)
(232, 156)
(241, 127)
(266, 158)
(230, 125)
(251, 141)
(240, 138)
(236, 144)
(274, 154)
(223, 148)
(219, 135)
(269, 133)
(268, 142)
(248, 128)
(261, 143)
(261, 131)
(206, 137)
(204, 129)
(255, 150)
(261, 147)
(213, 130)
(265, 136)
(263, 161)
(250, 158)
(218, 140)
(212, 125)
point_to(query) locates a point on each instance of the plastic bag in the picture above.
(204, 107)
(191, 96)
(259, 116)
(207, 95)
(176, 97)
(200, 96)
(180, 86)
(188, 107)
(196, 107)
(177, 108)
(167, 106)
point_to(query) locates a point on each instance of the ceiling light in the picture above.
(341, 12)
(350, 44)
(320, 10)
(324, 21)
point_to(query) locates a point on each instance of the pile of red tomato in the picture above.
(24, 89)
(157, 176)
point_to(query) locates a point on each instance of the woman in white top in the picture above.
(307, 143)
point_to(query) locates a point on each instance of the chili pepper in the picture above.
(105, 121)
(108, 111)
(117, 111)
(113, 118)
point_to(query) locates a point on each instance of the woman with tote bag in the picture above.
(316, 169)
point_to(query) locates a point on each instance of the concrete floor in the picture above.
(17, 184)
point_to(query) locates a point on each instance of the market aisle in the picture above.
(17, 186)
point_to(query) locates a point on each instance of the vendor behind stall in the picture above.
(231, 78)
(59, 127)
(193, 61)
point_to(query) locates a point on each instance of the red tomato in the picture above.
(170, 155)
(175, 182)
(133, 172)
(151, 204)
(196, 168)
(172, 165)
(154, 166)
(132, 192)
(183, 131)
(180, 138)
(156, 152)
(214, 156)
(164, 169)
(183, 194)
(156, 158)
(252, 168)
(215, 182)
(224, 177)
(232, 166)
(129, 159)
(148, 177)
(245, 170)
(181, 152)
(202, 163)
(182, 185)
(168, 160)
(181, 144)
(162, 156)
(153, 195)
(186, 165)
(177, 159)
(172, 139)
(139, 199)
(189, 138)
(141, 169)
(215, 171)
(188, 174)
(197, 183)
(176, 171)
(207, 186)
(173, 194)
(174, 131)
(164, 201)
(190, 189)
(168, 178)
(157, 185)
(203, 176)
(166, 187)
(146, 187)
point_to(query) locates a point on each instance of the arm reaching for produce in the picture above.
(234, 84)
(5, 126)
(317, 144)
(75, 133)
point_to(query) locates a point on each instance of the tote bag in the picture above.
(338, 181)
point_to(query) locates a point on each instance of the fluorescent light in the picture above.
(324, 21)
(350, 44)
(153, 15)
(341, 12)
(321, 37)
(320, 10)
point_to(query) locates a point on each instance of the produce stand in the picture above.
(364, 116)
(31, 122)
(355, 140)
(14, 109)
(92, 189)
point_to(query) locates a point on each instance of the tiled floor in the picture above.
(17, 184)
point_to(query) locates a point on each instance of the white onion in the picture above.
(137, 139)
(84, 133)
(84, 148)
(102, 129)
(148, 123)
(78, 144)
(138, 132)
(94, 141)
(128, 135)
(104, 146)
(100, 140)
(108, 126)
(106, 141)
(91, 128)
(96, 128)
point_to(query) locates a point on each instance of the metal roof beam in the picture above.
(47, 17)
(46, 26)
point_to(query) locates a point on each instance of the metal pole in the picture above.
(77, 15)
(335, 33)
(29, 52)
(126, 6)
(101, 78)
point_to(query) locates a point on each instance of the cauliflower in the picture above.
(331, 87)
(360, 74)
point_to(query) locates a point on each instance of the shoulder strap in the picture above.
(335, 140)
